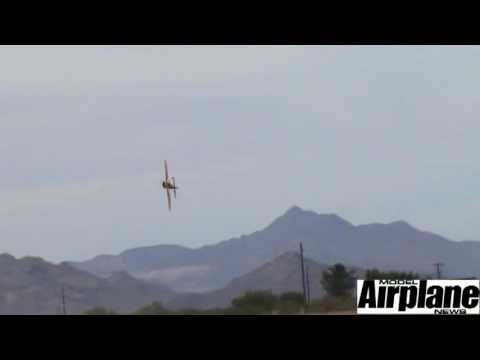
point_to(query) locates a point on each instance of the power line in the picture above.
(439, 272)
(303, 275)
(308, 286)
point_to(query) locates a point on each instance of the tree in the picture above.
(290, 303)
(338, 281)
(293, 297)
(99, 311)
(255, 302)
(329, 304)
(375, 274)
(154, 308)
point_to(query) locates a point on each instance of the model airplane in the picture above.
(169, 184)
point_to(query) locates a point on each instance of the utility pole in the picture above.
(439, 273)
(308, 287)
(303, 275)
(64, 308)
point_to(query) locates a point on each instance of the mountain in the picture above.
(281, 275)
(31, 285)
(327, 238)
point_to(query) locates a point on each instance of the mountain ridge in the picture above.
(327, 238)
(279, 275)
(31, 285)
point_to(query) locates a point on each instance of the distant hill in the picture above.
(31, 285)
(281, 275)
(327, 238)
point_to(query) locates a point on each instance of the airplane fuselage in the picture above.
(168, 185)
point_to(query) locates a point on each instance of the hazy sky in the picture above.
(372, 133)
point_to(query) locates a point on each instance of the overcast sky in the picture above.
(371, 133)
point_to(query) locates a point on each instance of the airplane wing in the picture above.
(166, 170)
(169, 200)
(174, 188)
